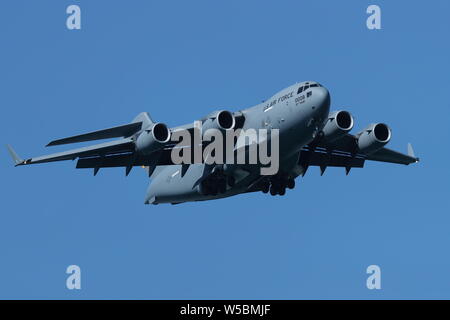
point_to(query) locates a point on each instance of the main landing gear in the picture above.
(277, 185)
(217, 183)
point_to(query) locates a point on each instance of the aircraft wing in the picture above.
(344, 153)
(126, 130)
(107, 148)
(118, 153)
(388, 155)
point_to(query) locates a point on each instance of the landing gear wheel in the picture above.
(291, 183)
(222, 186)
(273, 191)
(282, 191)
(213, 184)
(265, 188)
(231, 181)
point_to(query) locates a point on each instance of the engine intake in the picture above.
(374, 137)
(222, 120)
(153, 139)
(338, 124)
(225, 120)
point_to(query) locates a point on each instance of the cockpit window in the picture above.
(307, 86)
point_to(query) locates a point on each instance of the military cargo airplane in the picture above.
(308, 135)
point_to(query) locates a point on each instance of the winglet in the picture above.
(411, 152)
(16, 158)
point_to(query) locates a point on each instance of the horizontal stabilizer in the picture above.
(114, 132)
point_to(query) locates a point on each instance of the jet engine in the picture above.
(153, 138)
(337, 125)
(222, 120)
(373, 138)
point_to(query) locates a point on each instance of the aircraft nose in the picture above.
(323, 97)
(321, 102)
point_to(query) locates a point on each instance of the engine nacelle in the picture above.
(222, 120)
(373, 138)
(337, 125)
(153, 138)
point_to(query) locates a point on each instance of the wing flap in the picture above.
(125, 160)
(120, 160)
(334, 159)
(348, 144)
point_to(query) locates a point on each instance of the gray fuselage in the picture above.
(297, 115)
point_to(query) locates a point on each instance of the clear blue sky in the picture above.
(179, 60)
